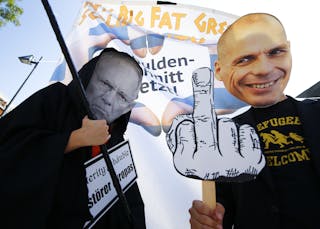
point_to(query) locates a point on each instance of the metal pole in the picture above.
(14, 96)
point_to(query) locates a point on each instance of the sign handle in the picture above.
(209, 193)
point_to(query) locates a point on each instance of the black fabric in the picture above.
(289, 161)
(258, 203)
(41, 187)
(33, 137)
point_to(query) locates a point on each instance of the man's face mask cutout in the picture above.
(113, 87)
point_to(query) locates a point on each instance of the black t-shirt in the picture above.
(289, 160)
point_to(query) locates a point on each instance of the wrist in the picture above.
(76, 140)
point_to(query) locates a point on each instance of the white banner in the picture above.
(169, 42)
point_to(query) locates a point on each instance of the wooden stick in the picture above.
(209, 193)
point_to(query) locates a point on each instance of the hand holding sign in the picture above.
(208, 148)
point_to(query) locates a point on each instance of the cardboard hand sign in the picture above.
(208, 148)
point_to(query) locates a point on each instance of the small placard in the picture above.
(101, 192)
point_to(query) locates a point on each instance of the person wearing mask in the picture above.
(254, 62)
(45, 141)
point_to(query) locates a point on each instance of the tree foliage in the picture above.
(9, 12)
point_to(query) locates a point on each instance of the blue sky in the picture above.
(35, 36)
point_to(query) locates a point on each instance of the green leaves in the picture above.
(9, 12)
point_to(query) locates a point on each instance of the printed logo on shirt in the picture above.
(277, 138)
(282, 147)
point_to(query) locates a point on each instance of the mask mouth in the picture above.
(267, 81)
(98, 111)
(262, 85)
(108, 114)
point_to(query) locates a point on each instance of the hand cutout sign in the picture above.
(208, 148)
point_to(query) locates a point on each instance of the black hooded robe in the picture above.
(41, 187)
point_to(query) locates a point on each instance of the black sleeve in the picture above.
(31, 153)
(225, 197)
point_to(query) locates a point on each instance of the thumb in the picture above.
(179, 128)
(85, 120)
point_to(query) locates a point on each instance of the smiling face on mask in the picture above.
(255, 60)
(114, 86)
